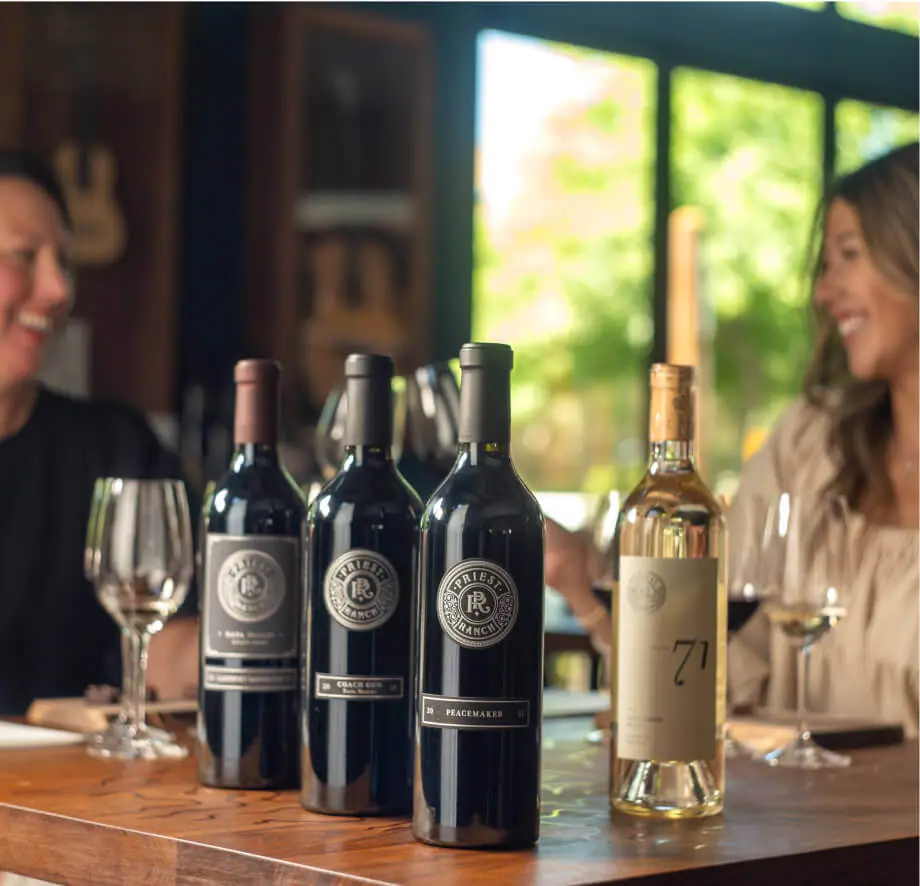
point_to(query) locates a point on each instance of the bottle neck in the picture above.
(252, 454)
(485, 408)
(671, 457)
(484, 453)
(367, 456)
(256, 415)
(369, 416)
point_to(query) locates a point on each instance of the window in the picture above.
(867, 131)
(746, 158)
(563, 252)
(896, 16)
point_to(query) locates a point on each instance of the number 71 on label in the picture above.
(689, 646)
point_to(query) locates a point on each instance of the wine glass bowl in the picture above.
(330, 432)
(330, 429)
(433, 415)
(139, 547)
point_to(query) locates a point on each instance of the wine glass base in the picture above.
(804, 753)
(598, 735)
(118, 729)
(124, 743)
(736, 749)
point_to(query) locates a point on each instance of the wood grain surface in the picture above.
(68, 818)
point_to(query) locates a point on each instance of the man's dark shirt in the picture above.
(55, 638)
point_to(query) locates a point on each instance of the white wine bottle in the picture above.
(667, 756)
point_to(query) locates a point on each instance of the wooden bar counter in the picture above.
(67, 818)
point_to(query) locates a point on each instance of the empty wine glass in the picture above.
(604, 537)
(91, 558)
(139, 548)
(330, 429)
(330, 432)
(804, 568)
(433, 415)
(603, 533)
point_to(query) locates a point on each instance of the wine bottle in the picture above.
(362, 549)
(481, 566)
(667, 749)
(248, 718)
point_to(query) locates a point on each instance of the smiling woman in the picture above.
(55, 639)
(854, 435)
(36, 287)
(866, 298)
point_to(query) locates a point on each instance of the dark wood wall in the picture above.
(181, 303)
(114, 74)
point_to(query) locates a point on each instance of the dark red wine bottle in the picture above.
(362, 548)
(249, 699)
(482, 546)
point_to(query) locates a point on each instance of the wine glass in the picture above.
(330, 429)
(140, 541)
(804, 566)
(603, 533)
(91, 560)
(330, 432)
(433, 415)
(209, 489)
(745, 587)
(604, 538)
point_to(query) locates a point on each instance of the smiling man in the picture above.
(55, 638)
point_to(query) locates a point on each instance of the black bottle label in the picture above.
(477, 603)
(251, 597)
(475, 713)
(358, 688)
(361, 590)
(224, 679)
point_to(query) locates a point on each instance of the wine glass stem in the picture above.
(138, 712)
(801, 690)
(128, 659)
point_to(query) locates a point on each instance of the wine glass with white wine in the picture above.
(139, 556)
(805, 566)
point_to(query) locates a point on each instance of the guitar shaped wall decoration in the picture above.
(88, 173)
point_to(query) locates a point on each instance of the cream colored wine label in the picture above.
(666, 665)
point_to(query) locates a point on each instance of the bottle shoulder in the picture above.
(670, 494)
(260, 498)
(483, 493)
(372, 490)
(671, 516)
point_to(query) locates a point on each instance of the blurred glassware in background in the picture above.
(330, 432)
(426, 424)
(433, 415)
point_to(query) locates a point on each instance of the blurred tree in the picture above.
(895, 15)
(865, 131)
(749, 155)
(566, 275)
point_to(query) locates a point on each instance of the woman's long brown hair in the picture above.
(884, 195)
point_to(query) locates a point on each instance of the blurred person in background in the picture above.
(853, 433)
(55, 638)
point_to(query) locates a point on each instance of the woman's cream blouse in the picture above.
(865, 667)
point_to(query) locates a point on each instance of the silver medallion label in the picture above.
(361, 590)
(250, 585)
(251, 596)
(477, 603)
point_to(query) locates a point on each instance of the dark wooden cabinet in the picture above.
(338, 193)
